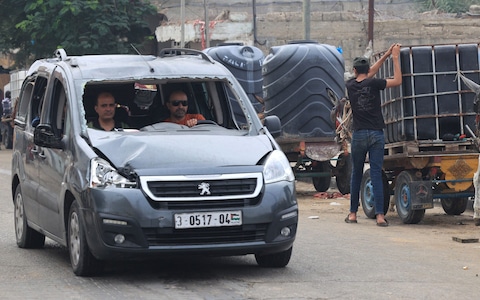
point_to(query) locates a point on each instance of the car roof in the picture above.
(177, 63)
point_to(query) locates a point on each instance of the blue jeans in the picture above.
(363, 142)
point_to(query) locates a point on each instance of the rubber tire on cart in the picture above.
(344, 173)
(82, 261)
(403, 200)
(366, 194)
(26, 236)
(274, 260)
(321, 183)
(454, 206)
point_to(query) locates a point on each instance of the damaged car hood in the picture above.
(171, 151)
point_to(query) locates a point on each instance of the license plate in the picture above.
(208, 219)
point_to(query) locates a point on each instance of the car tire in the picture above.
(82, 260)
(275, 260)
(26, 236)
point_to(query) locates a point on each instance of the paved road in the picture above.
(331, 260)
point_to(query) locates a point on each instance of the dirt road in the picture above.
(436, 222)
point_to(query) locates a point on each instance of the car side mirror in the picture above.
(44, 136)
(273, 125)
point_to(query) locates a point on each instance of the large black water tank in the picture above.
(298, 79)
(432, 102)
(245, 63)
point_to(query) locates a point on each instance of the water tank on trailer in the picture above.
(432, 103)
(245, 63)
(299, 79)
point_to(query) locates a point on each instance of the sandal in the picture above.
(347, 220)
(383, 224)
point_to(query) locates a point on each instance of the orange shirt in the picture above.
(187, 117)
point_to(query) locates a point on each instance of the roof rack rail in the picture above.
(166, 52)
(60, 54)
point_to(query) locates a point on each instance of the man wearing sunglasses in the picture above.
(178, 105)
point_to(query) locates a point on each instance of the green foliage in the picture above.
(448, 6)
(36, 28)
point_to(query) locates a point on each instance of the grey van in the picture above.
(222, 187)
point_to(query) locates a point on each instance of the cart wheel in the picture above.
(454, 206)
(366, 195)
(403, 200)
(322, 183)
(344, 173)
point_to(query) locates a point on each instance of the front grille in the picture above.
(206, 205)
(230, 187)
(205, 236)
(200, 188)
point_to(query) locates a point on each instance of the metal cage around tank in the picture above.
(432, 103)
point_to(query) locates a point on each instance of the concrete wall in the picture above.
(194, 8)
(350, 32)
(341, 23)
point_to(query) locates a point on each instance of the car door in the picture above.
(52, 162)
(33, 93)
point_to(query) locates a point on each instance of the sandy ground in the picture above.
(334, 205)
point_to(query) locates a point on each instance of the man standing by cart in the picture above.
(368, 125)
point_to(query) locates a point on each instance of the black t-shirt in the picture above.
(364, 99)
(95, 124)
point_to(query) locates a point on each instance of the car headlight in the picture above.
(277, 168)
(102, 174)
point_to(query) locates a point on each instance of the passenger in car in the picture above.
(105, 109)
(178, 105)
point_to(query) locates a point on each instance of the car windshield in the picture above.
(143, 105)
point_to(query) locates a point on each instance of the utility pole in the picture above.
(306, 19)
(207, 24)
(182, 25)
(371, 13)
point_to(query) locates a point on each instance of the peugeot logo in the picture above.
(205, 188)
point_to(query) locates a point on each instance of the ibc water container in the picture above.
(297, 81)
(432, 101)
(245, 63)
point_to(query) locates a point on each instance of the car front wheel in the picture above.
(275, 260)
(82, 261)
